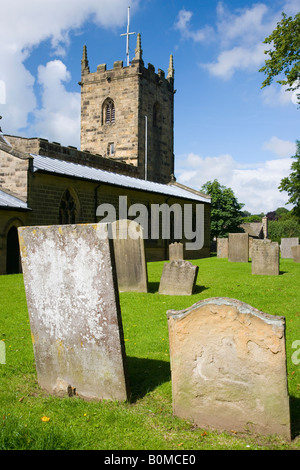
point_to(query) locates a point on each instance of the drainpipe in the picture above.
(96, 199)
(146, 147)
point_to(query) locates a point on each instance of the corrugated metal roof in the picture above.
(61, 167)
(8, 201)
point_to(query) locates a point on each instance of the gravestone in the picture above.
(265, 257)
(130, 258)
(286, 245)
(296, 253)
(238, 247)
(178, 278)
(228, 367)
(222, 247)
(175, 251)
(74, 311)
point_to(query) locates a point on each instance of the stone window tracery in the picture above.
(67, 209)
(109, 112)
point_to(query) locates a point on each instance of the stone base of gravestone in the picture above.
(222, 247)
(74, 311)
(286, 246)
(238, 247)
(178, 278)
(265, 257)
(176, 251)
(130, 256)
(228, 367)
(296, 253)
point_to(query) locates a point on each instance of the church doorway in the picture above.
(12, 251)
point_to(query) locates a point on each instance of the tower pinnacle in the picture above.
(171, 68)
(138, 50)
(84, 61)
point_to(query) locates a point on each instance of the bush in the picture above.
(283, 228)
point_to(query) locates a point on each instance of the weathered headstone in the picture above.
(178, 278)
(222, 247)
(286, 245)
(130, 256)
(296, 253)
(238, 247)
(74, 311)
(228, 367)
(265, 257)
(175, 251)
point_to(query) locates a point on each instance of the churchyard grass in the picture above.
(31, 419)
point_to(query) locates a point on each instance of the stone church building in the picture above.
(127, 149)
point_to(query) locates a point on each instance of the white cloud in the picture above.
(241, 35)
(2, 92)
(256, 185)
(59, 118)
(237, 58)
(281, 148)
(183, 25)
(291, 7)
(23, 26)
(279, 95)
(246, 25)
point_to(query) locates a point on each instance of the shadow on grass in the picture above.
(153, 287)
(295, 416)
(145, 375)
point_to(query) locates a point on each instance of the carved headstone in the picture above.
(286, 246)
(238, 247)
(265, 257)
(130, 256)
(296, 253)
(228, 367)
(74, 311)
(222, 247)
(178, 278)
(175, 251)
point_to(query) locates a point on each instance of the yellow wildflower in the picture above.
(45, 419)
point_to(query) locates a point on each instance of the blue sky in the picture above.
(226, 126)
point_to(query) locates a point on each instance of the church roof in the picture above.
(61, 167)
(3, 139)
(7, 201)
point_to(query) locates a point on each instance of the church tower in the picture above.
(127, 114)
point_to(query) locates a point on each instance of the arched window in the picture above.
(109, 112)
(67, 209)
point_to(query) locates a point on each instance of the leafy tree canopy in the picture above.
(226, 215)
(291, 183)
(284, 53)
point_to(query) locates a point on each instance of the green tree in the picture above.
(226, 214)
(284, 53)
(291, 183)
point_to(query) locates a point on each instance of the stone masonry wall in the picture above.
(13, 172)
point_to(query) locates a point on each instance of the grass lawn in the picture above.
(146, 422)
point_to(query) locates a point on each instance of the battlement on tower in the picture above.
(127, 114)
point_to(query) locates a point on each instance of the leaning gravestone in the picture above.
(130, 256)
(265, 257)
(74, 311)
(228, 367)
(175, 251)
(296, 253)
(178, 278)
(238, 247)
(286, 245)
(222, 247)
